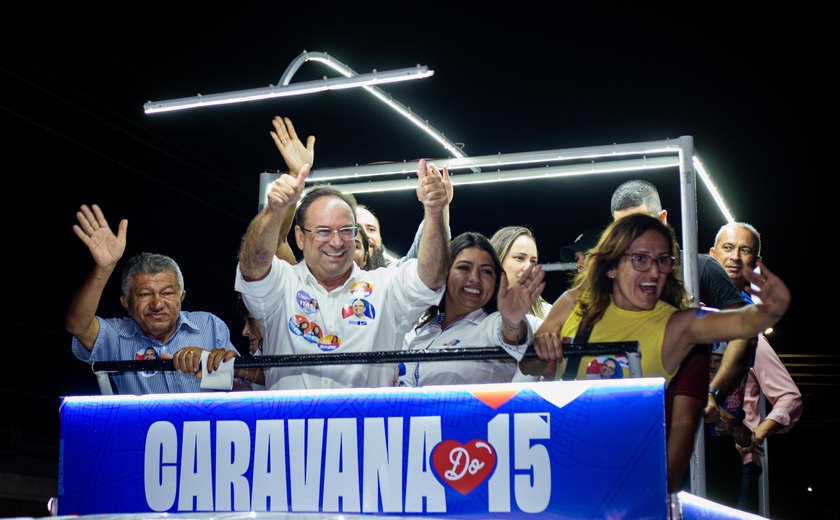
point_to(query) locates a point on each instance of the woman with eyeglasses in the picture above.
(630, 290)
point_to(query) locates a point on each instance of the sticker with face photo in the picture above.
(314, 333)
(307, 303)
(358, 312)
(303, 327)
(299, 324)
(329, 343)
(361, 290)
(147, 354)
(608, 367)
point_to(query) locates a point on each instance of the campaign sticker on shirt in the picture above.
(314, 333)
(451, 343)
(358, 312)
(147, 354)
(361, 289)
(399, 375)
(307, 303)
(329, 343)
(308, 330)
(703, 311)
(299, 324)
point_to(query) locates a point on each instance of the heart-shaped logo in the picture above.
(464, 466)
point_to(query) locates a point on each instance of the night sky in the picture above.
(750, 84)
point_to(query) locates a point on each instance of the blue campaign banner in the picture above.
(576, 449)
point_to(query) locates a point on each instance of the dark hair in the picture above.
(377, 259)
(149, 263)
(241, 307)
(635, 193)
(366, 263)
(593, 284)
(317, 192)
(463, 241)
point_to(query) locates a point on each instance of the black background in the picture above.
(749, 83)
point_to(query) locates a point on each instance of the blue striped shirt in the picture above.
(121, 339)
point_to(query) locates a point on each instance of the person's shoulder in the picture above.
(565, 304)
(711, 269)
(705, 262)
(196, 313)
(716, 288)
(570, 296)
(200, 317)
(763, 348)
(401, 261)
(279, 264)
(663, 306)
(123, 325)
(300, 269)
(361, 274)
(116, 320)
(403, 265)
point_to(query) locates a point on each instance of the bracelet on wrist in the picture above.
(511, 328)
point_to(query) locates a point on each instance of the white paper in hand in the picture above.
(221, 379)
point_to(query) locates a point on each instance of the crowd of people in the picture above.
(347, 293)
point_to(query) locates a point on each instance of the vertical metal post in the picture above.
(634, 359)
(688, 202)
(764, 479)
(104, 383)
(688, 206)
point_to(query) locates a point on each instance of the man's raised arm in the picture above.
(434, 190)
(295, 155)
(260, 242)
(106, 250)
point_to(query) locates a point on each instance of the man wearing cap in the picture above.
(576, 252)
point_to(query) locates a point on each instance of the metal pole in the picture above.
(104, 381)
(688, 199)
(385, 356)
(764, 478)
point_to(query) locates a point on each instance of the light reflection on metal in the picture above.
(298, 89)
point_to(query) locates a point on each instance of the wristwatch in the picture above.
(716, 394)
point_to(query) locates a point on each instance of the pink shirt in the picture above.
(769, 375)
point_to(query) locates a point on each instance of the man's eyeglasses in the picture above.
(641, 262)
(324, 234)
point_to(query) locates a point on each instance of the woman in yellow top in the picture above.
(630, 291)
